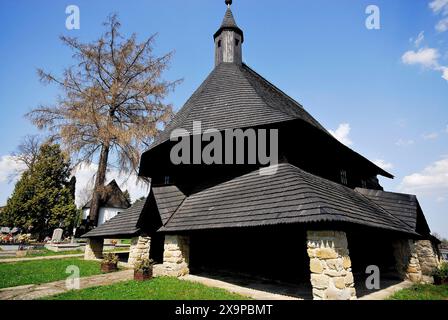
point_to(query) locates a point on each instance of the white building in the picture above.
(112, 202)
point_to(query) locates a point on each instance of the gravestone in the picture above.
(5, 230)
(57, 235)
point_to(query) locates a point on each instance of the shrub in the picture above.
(442, 271)
(144, 265)
(23, 238)
(110, 258)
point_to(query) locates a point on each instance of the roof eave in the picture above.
(235, 29)
(91, 234)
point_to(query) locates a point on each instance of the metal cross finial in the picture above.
(228, 3)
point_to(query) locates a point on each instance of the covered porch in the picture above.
(301, 261)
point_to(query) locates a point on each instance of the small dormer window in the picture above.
(344, 180)
(237, 42)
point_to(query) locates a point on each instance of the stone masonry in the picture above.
(175, 257)
(140, 249)
(428, 259)
(94, 249)
(408, 264)
(330, 266)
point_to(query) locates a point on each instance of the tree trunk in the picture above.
(99, 184)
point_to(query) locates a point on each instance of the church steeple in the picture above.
(228, 40)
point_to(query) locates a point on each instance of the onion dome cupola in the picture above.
(228, 40)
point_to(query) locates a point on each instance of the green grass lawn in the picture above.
(422, 292)
(156, 289)
(48, 253)
(43, 271)
(44, 253)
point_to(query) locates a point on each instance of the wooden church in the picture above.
(318, 222)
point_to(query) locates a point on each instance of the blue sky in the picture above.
(380, 91)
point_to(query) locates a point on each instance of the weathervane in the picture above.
(228, 3)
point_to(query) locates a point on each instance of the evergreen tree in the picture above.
(43, 197)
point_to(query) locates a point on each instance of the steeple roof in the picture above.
(229, 23)
(229, 20)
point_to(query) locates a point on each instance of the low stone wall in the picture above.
(94, 249)
(140, 249)
(408, 264)
(330, 266)
(175, 257)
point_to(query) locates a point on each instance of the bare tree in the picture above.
(28, 150)
(112, 101)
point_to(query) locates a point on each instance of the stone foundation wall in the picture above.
(407, 262)
(94, 249)
(175, 257)
(140, 249)
(330, 266)
(428, 259)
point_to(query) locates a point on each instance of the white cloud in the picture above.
(383, 164)
(342, 134)
(442, 25)
(433, 180)
(439, 6)
(85, 180)
(420, 38)
(431, 136)
(444, 73)
(8, 167)
(427, 57)
(404, 143)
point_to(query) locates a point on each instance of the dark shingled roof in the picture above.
(123, 224)
(289, 196)
(403, 206)
(111, 197)
(235, 96)
(168, 199)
